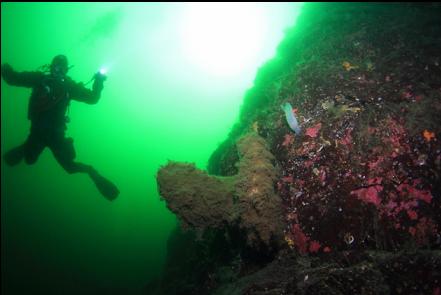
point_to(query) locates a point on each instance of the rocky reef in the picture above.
(354, 200)
(246, 200)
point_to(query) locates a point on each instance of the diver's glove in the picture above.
(100, 77)
(98, 83)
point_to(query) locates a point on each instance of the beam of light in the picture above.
(223, 38)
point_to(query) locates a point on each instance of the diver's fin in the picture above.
(14, 156)
(105, 186)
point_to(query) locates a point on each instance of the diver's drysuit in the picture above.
(48, 104)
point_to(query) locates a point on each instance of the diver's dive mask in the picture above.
(59, 67)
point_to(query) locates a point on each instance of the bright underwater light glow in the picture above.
(223, 38)
(103, 70)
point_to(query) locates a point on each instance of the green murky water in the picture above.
(164, 99)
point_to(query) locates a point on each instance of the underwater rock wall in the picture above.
(364, 81)
(360, 187)
(260, 207)
(369, 273)
(246, 200)
(199, 200)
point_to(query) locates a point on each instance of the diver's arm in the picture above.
(24, 79)
(81, 93)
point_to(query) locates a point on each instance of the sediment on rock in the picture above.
(246, 200)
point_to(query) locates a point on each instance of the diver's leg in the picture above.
(32, 153)
(105, 186)
(64, 153)
(33, 147)
(30, 150)
(14, 155)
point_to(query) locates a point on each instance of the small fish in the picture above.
(291, 117)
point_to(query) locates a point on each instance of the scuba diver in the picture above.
(52, 91)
